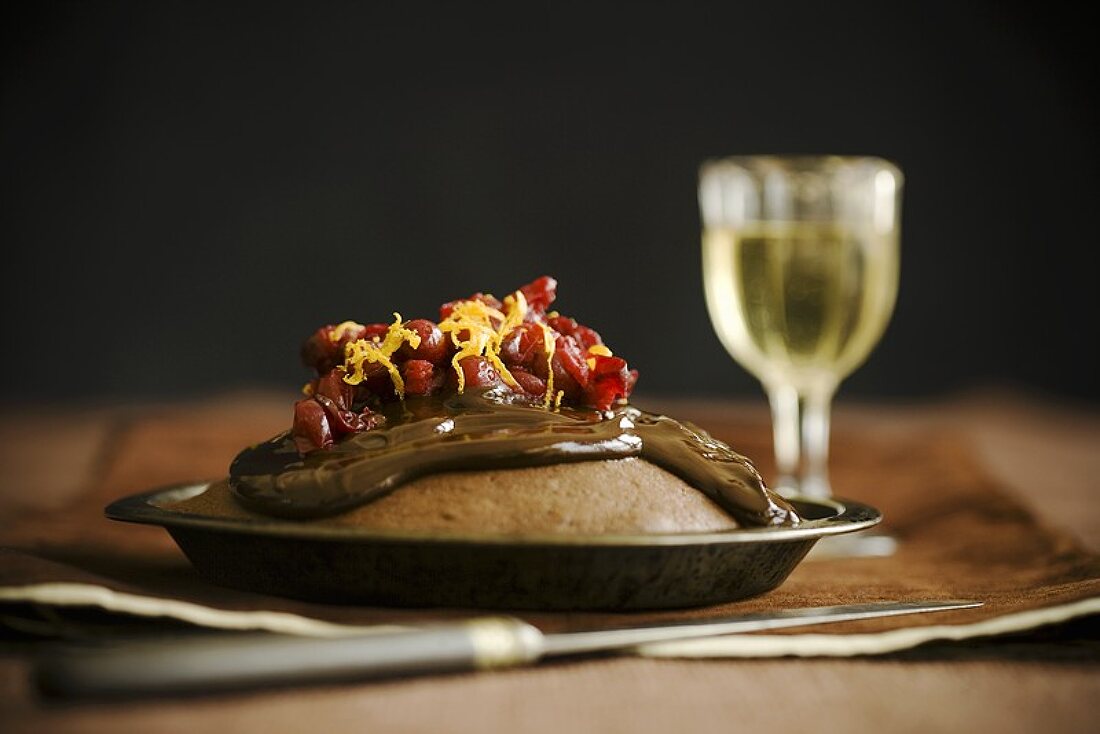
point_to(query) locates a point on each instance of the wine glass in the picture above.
(800, 265)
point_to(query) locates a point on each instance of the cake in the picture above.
(581, 499)
(502, 418)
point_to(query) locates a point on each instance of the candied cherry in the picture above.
(375, 332)
(610, 381)
(570, 369)
(585, 379)
(421, 377)
(490, 301)
(322, 353)
(478, 373)
(540, 293)
(529, 383)
(340, 420)
(311, 430)
(566, 326)
(434, 346)
(332, 386)
(523, 346)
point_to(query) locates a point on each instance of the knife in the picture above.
(224, 662)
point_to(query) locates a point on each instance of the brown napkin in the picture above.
(960, 536)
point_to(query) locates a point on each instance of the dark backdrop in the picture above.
(189, 190)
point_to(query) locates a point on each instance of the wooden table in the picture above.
(1044, 451)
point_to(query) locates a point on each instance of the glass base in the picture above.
(872, 544)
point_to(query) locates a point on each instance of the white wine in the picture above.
(800, 303)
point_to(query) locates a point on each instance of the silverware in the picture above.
(222, 662)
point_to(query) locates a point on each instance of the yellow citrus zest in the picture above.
(341, 330)
(478, 330)
(379, 351)
(549, 346)
(597, 350)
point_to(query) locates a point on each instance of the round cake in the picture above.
(619, 496)
(502, 418)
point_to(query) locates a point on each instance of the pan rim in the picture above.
(845, 516)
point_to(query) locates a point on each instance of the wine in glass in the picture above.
(800, 265)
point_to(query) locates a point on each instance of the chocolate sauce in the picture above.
(488, 430)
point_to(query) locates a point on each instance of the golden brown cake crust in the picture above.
(589, 498)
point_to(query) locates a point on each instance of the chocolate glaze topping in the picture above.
(491, 429)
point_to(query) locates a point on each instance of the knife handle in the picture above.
(221, 662)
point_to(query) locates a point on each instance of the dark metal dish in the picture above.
(615, 572)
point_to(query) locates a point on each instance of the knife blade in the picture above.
(235, 661)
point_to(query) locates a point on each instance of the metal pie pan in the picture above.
(326, 563)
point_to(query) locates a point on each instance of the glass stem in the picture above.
(786, 420)
(815, 444)
(800, 422)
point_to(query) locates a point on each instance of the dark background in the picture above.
(189, 190)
